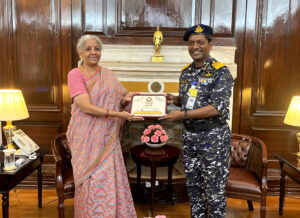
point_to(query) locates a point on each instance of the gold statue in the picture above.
(157, 40)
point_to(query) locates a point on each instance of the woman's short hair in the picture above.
(84, 38)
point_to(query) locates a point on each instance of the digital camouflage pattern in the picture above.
(207, 153)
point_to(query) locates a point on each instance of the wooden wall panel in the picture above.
(270, 77)
(140, 17)
(164, 13)
(277, 139)
(42, 132)
(6, 45)
(32, 63)
(222, 17)
(36, 26)
(272, 67)
(93, 15)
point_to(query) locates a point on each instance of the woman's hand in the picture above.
(130, 117)
(127, 99)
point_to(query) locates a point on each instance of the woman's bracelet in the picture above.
(107, 113)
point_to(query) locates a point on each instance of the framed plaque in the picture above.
(149, 105)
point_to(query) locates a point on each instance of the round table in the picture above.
(155, 157)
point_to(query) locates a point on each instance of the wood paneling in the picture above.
(6, 45)
(93, 15)
(140, 17)
(270, 76)
(33, 51)
(272, 66)
(277, 139)
(36, 24)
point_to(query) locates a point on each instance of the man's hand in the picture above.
(173, 116)
(171, 99)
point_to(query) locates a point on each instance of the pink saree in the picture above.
(101, 183)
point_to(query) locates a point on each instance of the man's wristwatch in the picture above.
(186, 116)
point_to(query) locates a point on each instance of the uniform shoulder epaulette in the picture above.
(186, 66)
(218, 65)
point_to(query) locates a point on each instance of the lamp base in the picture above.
(8, 132)
(298, 153)
(10, 168)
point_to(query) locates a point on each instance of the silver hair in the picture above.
(82, 40)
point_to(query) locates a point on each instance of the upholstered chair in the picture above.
(248, 171)
(64, 172)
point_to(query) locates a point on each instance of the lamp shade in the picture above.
(12, 105)
(292, 116)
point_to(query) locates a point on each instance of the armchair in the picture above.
(65, 186)
(248, 171)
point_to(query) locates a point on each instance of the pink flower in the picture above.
(163, 138)
(147, 131)
(160, 216)
(154, 134)
(157, 132)
(145, 138)
(154, 138)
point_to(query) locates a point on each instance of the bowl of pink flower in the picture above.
(154, 136)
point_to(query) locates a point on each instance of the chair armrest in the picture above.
(258, 163)
(59, 177)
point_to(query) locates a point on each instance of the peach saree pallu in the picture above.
(101, 183)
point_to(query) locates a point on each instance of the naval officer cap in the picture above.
(199, 29)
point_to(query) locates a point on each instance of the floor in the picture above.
(23, 204)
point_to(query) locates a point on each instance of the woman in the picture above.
(101, 183)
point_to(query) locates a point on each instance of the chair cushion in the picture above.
(239, 152)
(69, 185)
(242, 181)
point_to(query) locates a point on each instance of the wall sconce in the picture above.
(12, 107)
(292, 118)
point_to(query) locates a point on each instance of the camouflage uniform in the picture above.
(206, 150)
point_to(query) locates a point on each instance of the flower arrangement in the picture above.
(154, 134)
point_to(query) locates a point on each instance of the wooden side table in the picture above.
(9, 179)
(288, 166)
(159, 157)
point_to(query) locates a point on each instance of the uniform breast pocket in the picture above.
(204, 90)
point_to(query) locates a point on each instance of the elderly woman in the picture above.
(101, 183)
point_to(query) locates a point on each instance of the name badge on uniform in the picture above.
(193, 92)
(205, 81)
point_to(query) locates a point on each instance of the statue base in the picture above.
(158, 58)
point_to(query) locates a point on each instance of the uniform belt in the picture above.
(202, 127)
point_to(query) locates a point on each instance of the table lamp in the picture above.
(292, 117)
(12, 107)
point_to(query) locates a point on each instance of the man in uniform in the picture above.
(204, 93)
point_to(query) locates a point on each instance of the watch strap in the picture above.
(186, 116)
